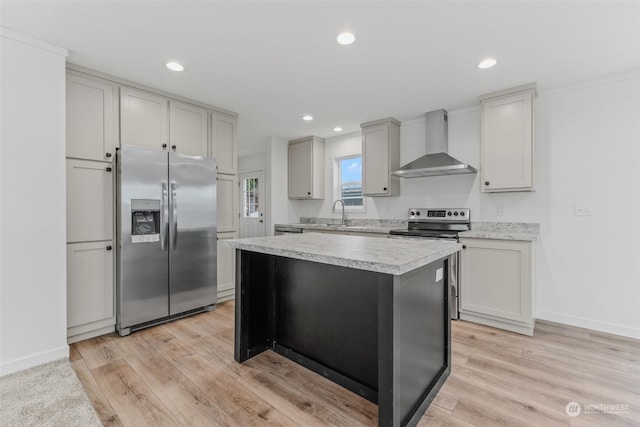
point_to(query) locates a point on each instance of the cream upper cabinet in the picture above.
(380, 157)
(188, 125)
(92, 118)
(508, 140)
(226, 268)
(144, 119)
(89, 200)
(496, 283)
(90, 297)
(224, 143)
(306, 168)
(227, 203)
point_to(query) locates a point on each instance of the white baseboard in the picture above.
(34, 360)
(581, 322)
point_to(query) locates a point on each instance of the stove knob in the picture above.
(461, 213)
(449, 213)
(455, 213)
(412, 213)
(418, 213)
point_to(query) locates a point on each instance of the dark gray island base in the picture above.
(383, 336)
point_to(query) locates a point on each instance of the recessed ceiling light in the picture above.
(346, 38)
(174, 66)
(337, 129)
(307, 118)
(487, 63)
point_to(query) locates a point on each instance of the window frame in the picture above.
(337, 183)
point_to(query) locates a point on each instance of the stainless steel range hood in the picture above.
(436, 162)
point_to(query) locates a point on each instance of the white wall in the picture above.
(587, 151)
(33, 315)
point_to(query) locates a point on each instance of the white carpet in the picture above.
(46, 395)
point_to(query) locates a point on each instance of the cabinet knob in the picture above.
(173, 147)
(109, 248)
(486, 183)
(384, 189)
(464, 246)
(164, 146)
(308, 193)
(107, 154)
(108, 169)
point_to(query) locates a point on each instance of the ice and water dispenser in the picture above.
(145, 220)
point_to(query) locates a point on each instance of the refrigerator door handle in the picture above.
(174, 217)
(164, 221)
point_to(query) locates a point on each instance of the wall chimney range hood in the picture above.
(437, 161)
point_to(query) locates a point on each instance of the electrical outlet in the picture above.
(500, 210)
(582, 210)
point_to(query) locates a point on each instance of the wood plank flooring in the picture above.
(183, 374)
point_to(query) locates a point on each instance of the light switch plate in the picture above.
(582, 210)
(439, 274)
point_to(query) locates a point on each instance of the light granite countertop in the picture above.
(503, 231)
(390, 256)
(337, 227)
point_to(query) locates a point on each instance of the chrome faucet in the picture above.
(344, 214)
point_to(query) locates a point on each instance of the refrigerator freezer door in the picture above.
(192, 232)
(143, 269)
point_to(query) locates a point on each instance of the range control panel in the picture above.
(440, 215)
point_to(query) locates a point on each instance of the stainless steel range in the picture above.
(439, 224)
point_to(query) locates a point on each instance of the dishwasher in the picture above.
(279, 230)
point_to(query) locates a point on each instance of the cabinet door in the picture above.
(143, 118)
(226, 267)
(507, 143)
(496, 279)
(300, 169)
(227, 203)
(375, 155)
(89, 283)
(91, 118)
(223, 143)
(188, 128)
(89, 201)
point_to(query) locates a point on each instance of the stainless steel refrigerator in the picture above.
(166, 222)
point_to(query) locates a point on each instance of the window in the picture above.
(251, 200)
(349, 181)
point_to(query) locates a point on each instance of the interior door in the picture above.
(143, 273)
(252, 204)
(192, 232)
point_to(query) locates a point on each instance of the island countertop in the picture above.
(390, 256)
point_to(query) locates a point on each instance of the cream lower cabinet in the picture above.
(497, 284)
(90, 290)
(226, 268)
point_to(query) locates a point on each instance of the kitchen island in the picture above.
(370, 314)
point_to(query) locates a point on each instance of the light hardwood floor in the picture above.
(183, 374)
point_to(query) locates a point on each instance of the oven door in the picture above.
(454, 271)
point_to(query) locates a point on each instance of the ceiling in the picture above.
(273, 62)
